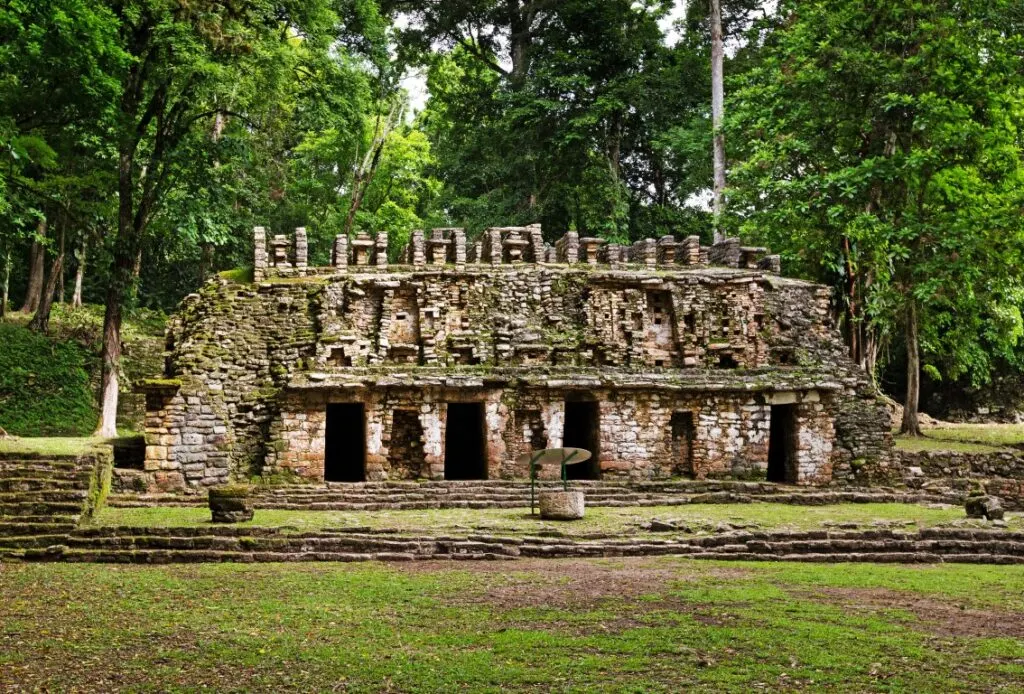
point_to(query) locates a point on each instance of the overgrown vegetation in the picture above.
(876, 146)
(651, 625)
(48, 383)
(44, 385)
(50, 446)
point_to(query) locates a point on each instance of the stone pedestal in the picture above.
(561, 505)
(231, 504)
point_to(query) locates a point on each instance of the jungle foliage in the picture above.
(878, 147)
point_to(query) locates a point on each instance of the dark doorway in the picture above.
(345, 450)
(465, 449)
(682, 444)
(782, 444)
(583, 430)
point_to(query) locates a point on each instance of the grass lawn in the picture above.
(964, 438)
(53, 445)
(699, 517)
(915, 444)
(992, 434)
(654, 624)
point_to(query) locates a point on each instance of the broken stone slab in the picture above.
(988, 507)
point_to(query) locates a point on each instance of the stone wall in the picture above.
(729, 437)
(962, 464)
(685, 360)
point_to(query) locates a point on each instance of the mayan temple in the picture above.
(666, 358)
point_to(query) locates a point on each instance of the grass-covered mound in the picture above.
(44, 385)
(49, 383)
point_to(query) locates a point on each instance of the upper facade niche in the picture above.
(508, 300)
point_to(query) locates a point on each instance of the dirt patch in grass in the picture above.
(572, 583)
(627, 591)
(934, 616)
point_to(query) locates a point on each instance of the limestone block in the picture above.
(340, 255)
(301, 250)
(231, 504)
(561, 505)
(259, 266)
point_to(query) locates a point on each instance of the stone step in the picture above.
(31, 541)
(48, 495)
(39, 508)
(14, 459)
(58, 467)
(42, 518)
(31, 484)
(820, 552)
(36, 527)
(205, 556)
(455, 498)
(37, 473)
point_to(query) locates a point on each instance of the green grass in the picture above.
(916, 444)
(241, 275)
(56, 446)
(701, 518)
(650, 625)
(991, 434)
(965, 438)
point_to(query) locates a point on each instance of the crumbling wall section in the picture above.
(231, 350)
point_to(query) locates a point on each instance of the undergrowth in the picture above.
(44, 385)
(48, 383)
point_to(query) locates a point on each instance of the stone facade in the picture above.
(469, 354)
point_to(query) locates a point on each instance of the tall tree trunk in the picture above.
(910, 424)
(111, 358)
(76, 298)
(870, 352)
(41, 320)
(122, 275)
(60, 276)
(205, 260)
(36, 270)
(7, 285)
(519, 43)
(717, 112)
(367, 169)
(852, 322)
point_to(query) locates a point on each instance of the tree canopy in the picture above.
(878, 147)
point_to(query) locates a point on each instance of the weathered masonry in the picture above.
(665, 358)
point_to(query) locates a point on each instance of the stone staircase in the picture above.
(374, 496)
(225, 544)
(44, 497)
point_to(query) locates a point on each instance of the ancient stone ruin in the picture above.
(665, 358)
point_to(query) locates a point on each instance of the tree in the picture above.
(883, 155)
(498, 34)
(55, 60)
(183, 57)
(568, 139)
(717, 108)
